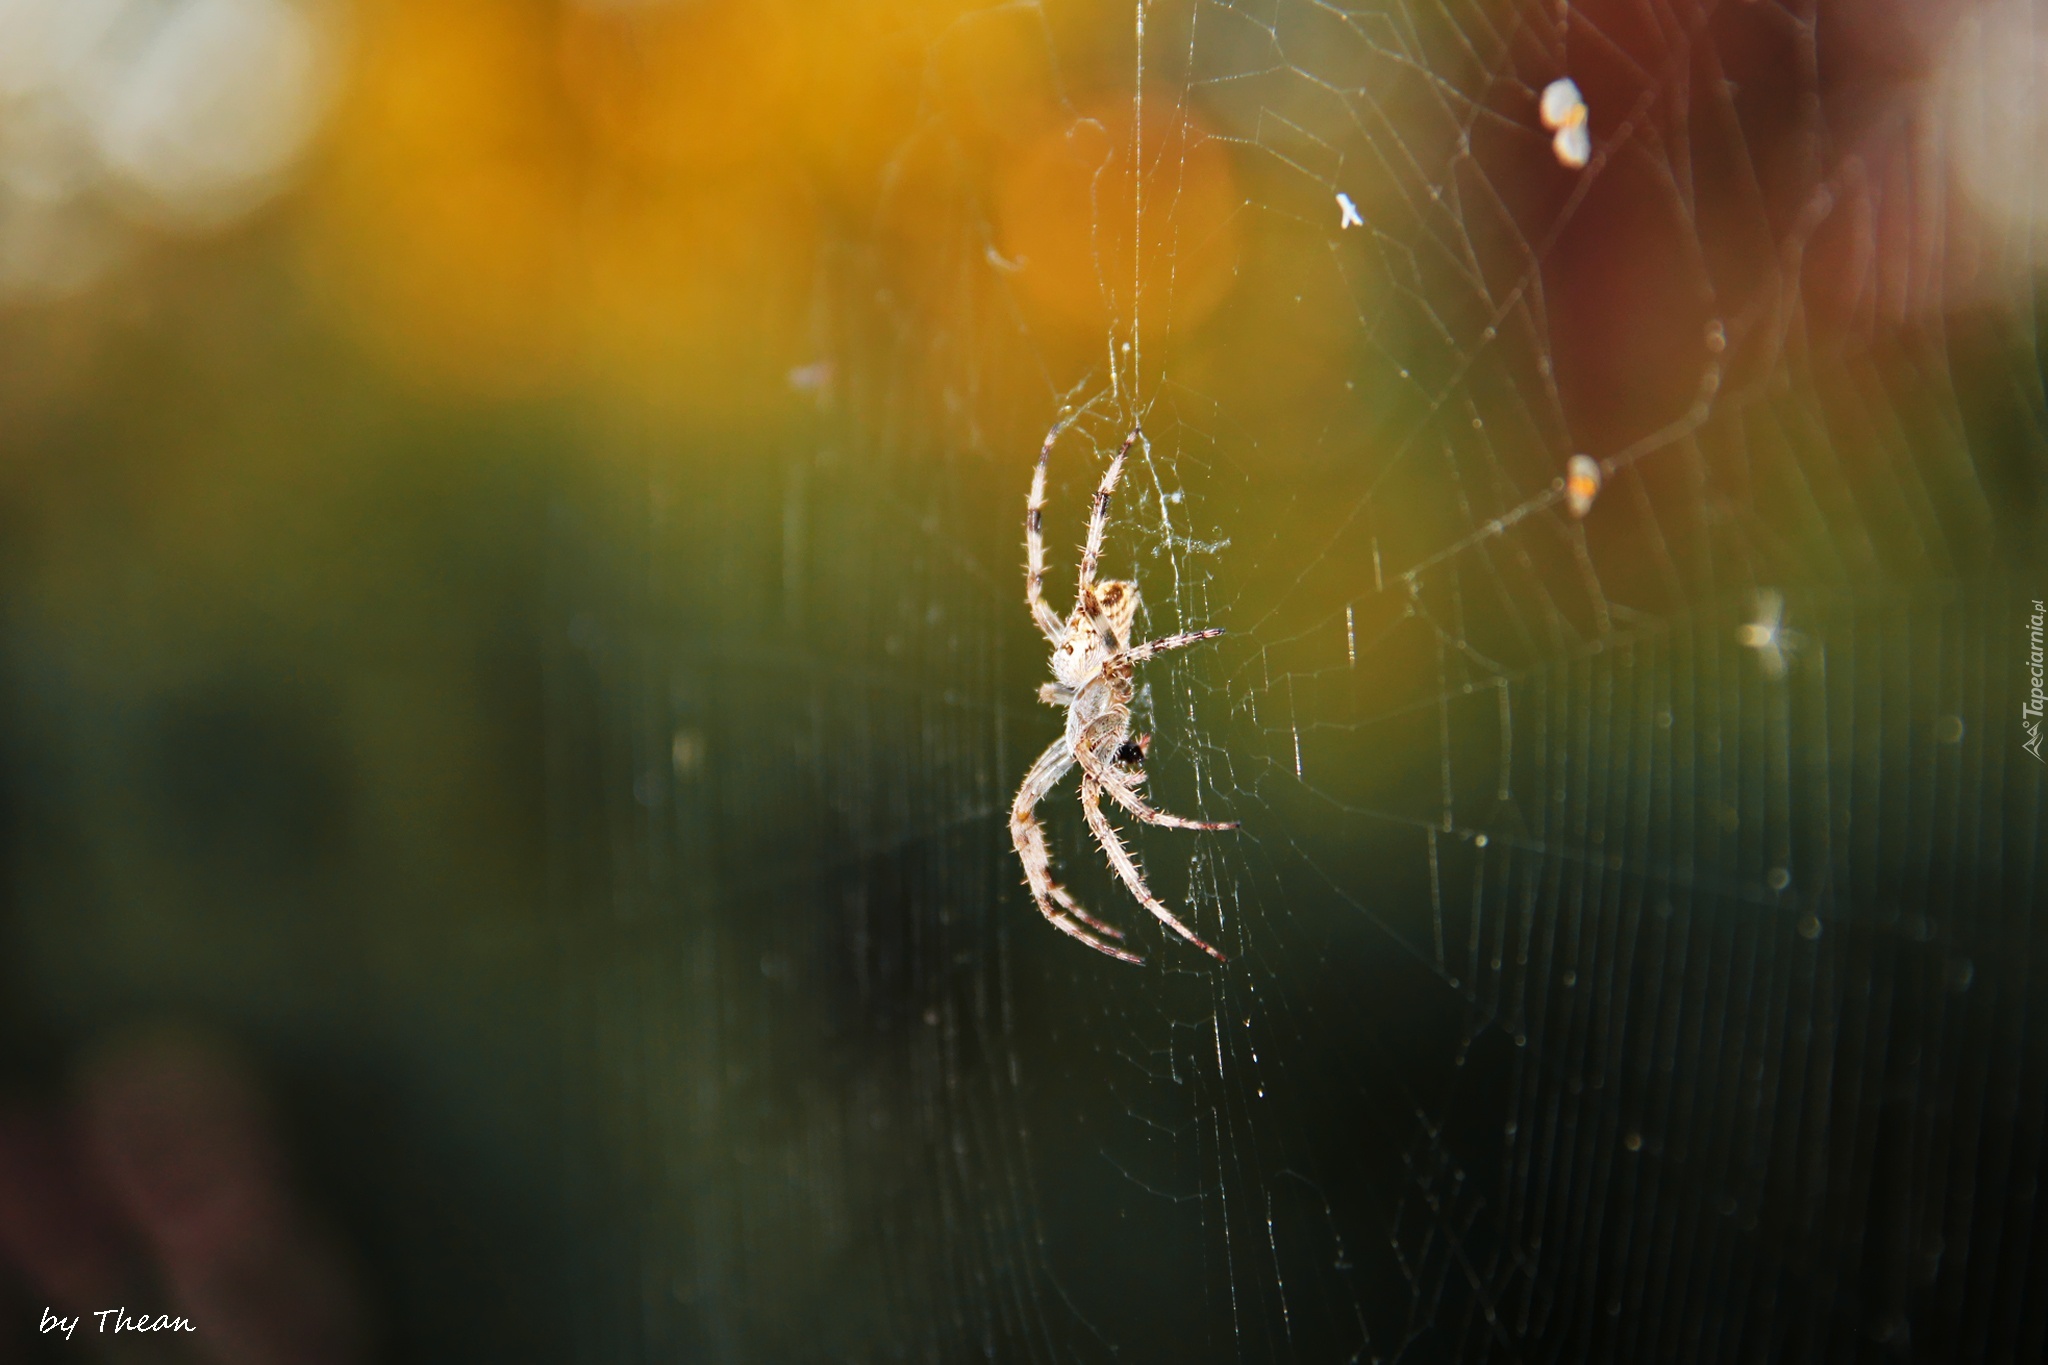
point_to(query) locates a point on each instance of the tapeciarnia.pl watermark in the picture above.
(114, 1321)
(2037, 698)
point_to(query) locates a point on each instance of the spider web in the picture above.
(1622, 967)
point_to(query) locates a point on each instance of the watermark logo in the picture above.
(2037, 698)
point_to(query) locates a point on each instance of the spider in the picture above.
(1092, 661)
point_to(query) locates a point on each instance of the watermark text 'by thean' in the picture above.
(114, 1321)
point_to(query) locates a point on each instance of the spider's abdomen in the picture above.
(1079, 657)
(1118, 599)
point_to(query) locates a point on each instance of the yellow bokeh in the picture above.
(444, 226)
(524, 198)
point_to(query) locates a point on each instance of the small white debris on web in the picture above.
(1347, 213)
(1767, 634)
(1564, 113)
(1581, 484)
(1573, 146)
(1562, 104)
(814, 378)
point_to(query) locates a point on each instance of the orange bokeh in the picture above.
(445, 221)
(524, 197)
(696, 90)
(1068, 214)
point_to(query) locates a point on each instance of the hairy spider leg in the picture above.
(1098, 517)
(1028, 836)
(1139, 653)
(1096, 754)
(1126, 795)
(1126, 868)
(1049, 623)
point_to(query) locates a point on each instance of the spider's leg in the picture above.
(1054, 889)
(1058, 907)
(1028, 836)
(1124, 795)
(1073, 907)
(1049, 623)
(1029, 839)
(1139, 653)
(1127, 868)
(1055, 694)
(1096, 753)
(1098, 517)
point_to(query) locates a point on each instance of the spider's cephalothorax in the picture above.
(1092, 660)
